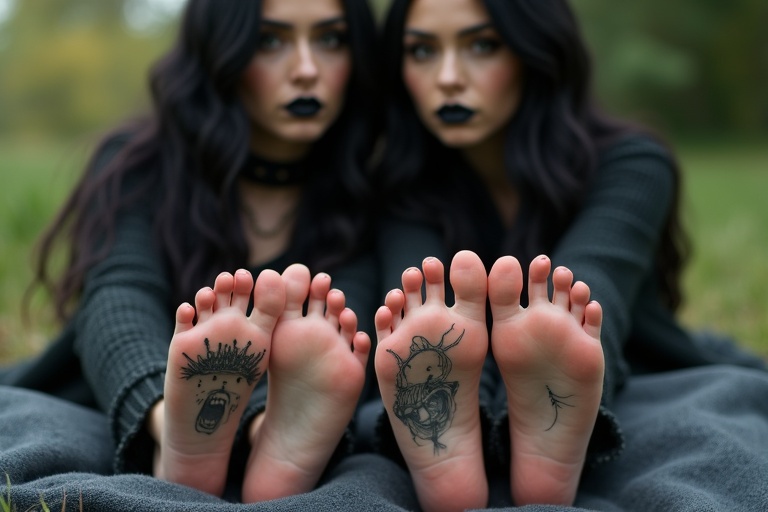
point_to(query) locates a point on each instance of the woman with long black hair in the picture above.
(253, 157)
(494, 140)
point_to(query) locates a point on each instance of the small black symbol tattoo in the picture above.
(228, 366)
(557, 403)
(424, 399)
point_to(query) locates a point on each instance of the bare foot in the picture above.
(316, 375)
(550, 357)
(428, 363)
(213, 366)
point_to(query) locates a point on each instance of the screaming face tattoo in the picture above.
(424, 398)
(219, 374)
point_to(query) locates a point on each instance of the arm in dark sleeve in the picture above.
(124, 326)
(612, 244)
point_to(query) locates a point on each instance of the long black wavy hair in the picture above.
(551, 144)
(195, 140)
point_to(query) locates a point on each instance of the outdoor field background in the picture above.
(70, 70)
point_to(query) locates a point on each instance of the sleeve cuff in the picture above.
(135, 447)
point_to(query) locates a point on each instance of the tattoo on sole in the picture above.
(558, 403)
(424, 398)
(217, 374)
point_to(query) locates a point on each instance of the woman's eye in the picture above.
(419, 51)
(485, 46)
(333, 39)
(269, 42)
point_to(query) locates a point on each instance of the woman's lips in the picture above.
(304, 107)
(454, 114)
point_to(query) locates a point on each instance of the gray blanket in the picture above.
(695, 440)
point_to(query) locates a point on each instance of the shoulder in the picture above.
(109, 148)
(125, 167)
(639, 158)
(635, 146)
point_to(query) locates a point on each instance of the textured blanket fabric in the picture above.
(696, 440)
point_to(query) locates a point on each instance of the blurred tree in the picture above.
(688, 65)
(69, 68)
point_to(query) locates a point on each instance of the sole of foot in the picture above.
(316, 375)
(428, 363)
(213, 366)
(551, 360)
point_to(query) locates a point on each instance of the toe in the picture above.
(318, 292)
(593, 319)
(204, 301)
(383, 322)
(562, 278)
(505, 284)
(434, 276)
(185, 315)
(335, 307)
(269, 299)
(579, 299)
(243, 287)
(412, 279)
(537, 279)
(223, 287)
(361, 347)
(470, 284)
(395, 301)
(297, 283)
(347, 322)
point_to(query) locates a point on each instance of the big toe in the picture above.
(505, 284)
(297, 280)
(269, 295)
(470, 284)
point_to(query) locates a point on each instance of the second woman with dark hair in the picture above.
(495, 142)
(254, 157)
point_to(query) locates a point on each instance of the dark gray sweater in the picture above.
(112, 354)
(611, 245)
(118, 339)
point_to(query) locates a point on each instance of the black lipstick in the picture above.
(454, 114)
(304, 107)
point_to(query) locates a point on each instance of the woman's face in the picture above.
(464, 81)
(293, 88)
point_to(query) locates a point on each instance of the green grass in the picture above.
(7, 506)
(727, 215)
(725, 205)
(35, 181)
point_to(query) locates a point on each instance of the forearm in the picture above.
(124, 326)
(613, 243)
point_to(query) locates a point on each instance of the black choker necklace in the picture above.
(276, 174)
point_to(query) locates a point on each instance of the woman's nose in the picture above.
(451, 74)
(305, 67)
